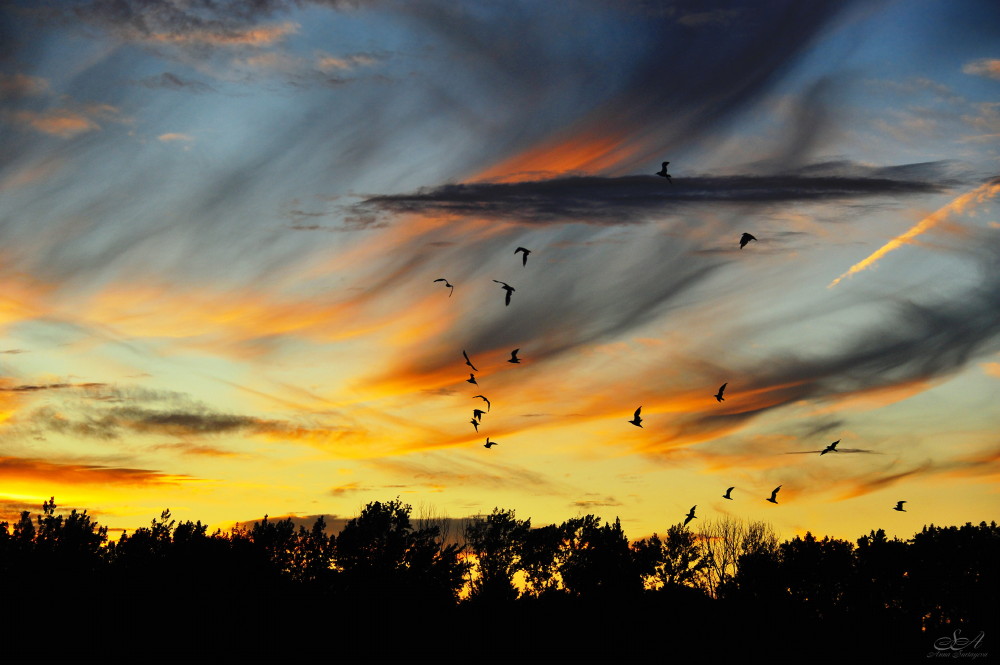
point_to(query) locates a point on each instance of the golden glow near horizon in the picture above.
(221, 235)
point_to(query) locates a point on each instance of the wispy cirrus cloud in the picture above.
(175, 137)
(42, 471)
(988, 67)
(21, 85)
(171, 81)
(631, 199)
(957, 206)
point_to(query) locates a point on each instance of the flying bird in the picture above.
(524, 258)
(636, 420)
(774, 493)
(728, 491)
(489, 444)
(472, 379)
(690, 515)
(469, 362)
(744, 239)
(718, 395)
(484, 399)
(899, 506)
(475, 423)
(477, 414)
(442, 279)
(513, 356)
(506, 287)
(832, 448)
(663, 173)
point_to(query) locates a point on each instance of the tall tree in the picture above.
(676, 559)
(596, 560)
(725, 540)
(380, 553)
(496, 541)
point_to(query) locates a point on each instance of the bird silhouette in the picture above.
(469, 362)
(484, 399)
(663, 173)
(477, 414)
(636, 420)
(899, 506)
(718, 395)
(442, 279)
(475, 423)
(524, 257)
(744, 239)
(513, 356)
(472, 379)
(690, 515)
(774, 493)
(832, 448)
(728, 491)
(506, 287)
(489, 444)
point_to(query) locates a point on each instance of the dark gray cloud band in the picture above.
(629, 199)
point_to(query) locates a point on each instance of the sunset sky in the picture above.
(221, 222)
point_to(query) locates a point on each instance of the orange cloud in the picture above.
(17, 85)
(989, 67)
(261, 36)
(175, 136)
(37, 471)
(60, 122)
(31, 174)
(589, 153)
(980, 194)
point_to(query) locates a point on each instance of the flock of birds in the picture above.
(477, 414)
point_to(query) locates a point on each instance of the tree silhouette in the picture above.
(725, 541)
(496, 541)
(596, 560)
(677, 559)
(540, 559)
(379, 553)
(953, 576)
(817, 573)
(884, 597)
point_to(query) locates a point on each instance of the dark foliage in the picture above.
(382, 588)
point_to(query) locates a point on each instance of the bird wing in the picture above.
(507, 299)
(665, 165)
(440, 279)
(636, 416)
(723, 387)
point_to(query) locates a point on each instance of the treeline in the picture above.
(386, 583)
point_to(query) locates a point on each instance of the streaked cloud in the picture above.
(957, 206)
(631, 199)
(171, 81)
(42, 471)
(331, 63)
(57, 122)
(988, 67)
(18, 85)
(175, 136)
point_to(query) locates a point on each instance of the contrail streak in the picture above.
(978, 195)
